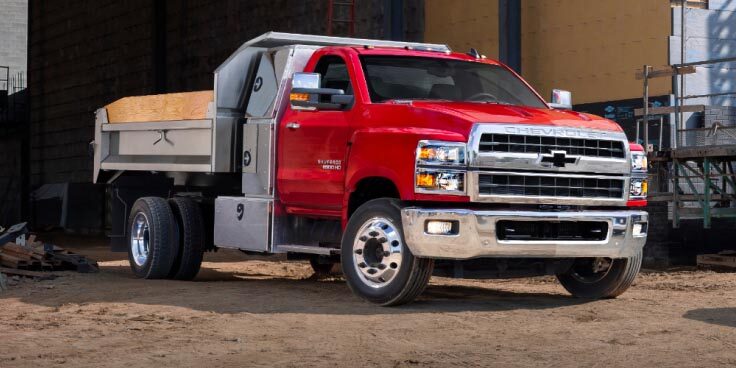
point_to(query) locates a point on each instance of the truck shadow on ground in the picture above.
(717, 316)
(238, 292)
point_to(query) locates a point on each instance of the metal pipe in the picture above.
(706, 62)
(645, 118)
(709, 95)
(682, 60)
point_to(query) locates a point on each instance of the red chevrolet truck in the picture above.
(397, 160)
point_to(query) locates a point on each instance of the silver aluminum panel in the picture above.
(258, 153)
(263, 92)
(175, 142)
(243, 223)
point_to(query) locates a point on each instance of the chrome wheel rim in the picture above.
(139, 239)
(377, 252)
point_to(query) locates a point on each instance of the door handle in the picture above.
(293, 125)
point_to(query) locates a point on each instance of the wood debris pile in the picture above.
(722, 260)
(29, 257)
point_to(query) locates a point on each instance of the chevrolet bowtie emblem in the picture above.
(557, 159)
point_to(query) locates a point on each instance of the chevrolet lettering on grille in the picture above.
(560, 132)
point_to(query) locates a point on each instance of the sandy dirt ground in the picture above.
(248, 312)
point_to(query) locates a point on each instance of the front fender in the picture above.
(388, 153)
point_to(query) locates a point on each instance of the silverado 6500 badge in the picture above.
(330, 164)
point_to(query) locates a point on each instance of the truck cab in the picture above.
(399, 161)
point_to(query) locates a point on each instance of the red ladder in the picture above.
(333, 10)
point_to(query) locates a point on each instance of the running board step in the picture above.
(307, 249)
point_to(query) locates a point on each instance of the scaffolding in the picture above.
(696, 175)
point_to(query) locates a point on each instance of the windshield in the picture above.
(415, 78)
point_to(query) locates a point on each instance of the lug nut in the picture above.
(358, 251)
(382, 240)
(386, 254)
(362, 265)
(363, 238)
(373, 233)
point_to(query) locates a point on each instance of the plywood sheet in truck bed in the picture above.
(170, 106)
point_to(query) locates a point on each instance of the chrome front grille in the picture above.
(514, 143)
(531, 186)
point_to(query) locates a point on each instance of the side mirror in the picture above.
(561, 99)
(306, 92)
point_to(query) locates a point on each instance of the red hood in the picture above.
(494, 113)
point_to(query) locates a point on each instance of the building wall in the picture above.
(13, 39)
(710, 34)
(86, 54)
(13, 54)
(592, 48)
(463, 24)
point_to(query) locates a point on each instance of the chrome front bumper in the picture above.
(476, 234)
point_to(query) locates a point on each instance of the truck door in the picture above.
(313, 147)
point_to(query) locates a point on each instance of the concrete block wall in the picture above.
(656, 250)
(86, 54)
(725, 115)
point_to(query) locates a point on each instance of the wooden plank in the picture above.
(21, 255)
(716, 260)
(170, 106)
(40, 275)
(664, 110)
(666, 72)
(698, 152)
(12, 261)
(15, 248)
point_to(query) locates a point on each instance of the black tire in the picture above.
(413, 273)
(190, 224)
(617, 279)
(161, 236)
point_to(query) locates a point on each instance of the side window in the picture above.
(334, 75)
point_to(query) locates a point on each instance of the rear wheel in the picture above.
(191, 238)
(152, 238)
(598, 278)
(376, 262)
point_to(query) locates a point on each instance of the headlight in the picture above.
(440, 153)
(440, 167)
(437, 180)
(638, 187)
(638, 161)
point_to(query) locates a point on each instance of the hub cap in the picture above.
(139, 239)
(377, 252)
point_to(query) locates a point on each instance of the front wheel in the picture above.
(596, 278)
(376, 262)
